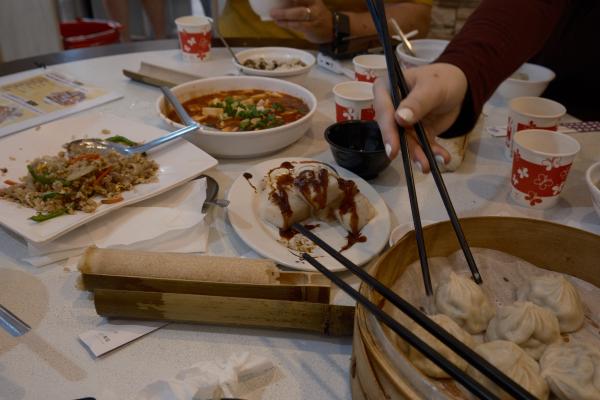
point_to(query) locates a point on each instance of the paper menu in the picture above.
(35, 97)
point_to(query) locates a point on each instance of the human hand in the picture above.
(436, 97)
(311, 17)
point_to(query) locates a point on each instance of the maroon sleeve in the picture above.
(499, 36)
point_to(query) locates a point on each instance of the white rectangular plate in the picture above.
(179, 162)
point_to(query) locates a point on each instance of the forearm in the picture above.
(409, 16)
(495, 41)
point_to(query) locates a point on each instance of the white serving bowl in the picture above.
(243, 144)
(426, 50)
(538, 79)
(297, 75)
(592, 177)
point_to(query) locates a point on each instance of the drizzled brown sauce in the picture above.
(248, 176)
(313, 185)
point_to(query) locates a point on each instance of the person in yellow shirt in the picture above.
(317, 20)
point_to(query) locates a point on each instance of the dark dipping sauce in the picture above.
(313, 185)
(248, 176)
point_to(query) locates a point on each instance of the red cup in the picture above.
(531, 113)
(541, 164)
(195, 37)
(368, 67)
(353, 101)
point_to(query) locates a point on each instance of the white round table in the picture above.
(54, 364)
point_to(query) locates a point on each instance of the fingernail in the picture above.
(406, 114)
(417, 165)
(388, 149)
(440, 160)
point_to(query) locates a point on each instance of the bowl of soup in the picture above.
(242, 116)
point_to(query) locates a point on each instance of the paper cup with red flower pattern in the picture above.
(368, 67)
(353, 101)
(541, 164)
(194, 32)
(531, 113)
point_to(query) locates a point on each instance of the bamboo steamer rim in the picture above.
(378, 358)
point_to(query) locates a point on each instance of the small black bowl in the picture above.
(357, 146)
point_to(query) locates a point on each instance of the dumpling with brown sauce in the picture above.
(280, 203)
(318, 184)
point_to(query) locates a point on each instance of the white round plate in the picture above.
(275, 53)
(264, 238)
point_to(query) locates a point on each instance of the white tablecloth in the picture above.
(54, 365)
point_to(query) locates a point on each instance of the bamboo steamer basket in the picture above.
(374, 375)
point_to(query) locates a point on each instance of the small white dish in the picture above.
(296, 74)
(264, 238)
(592, 177)
(244, 144)
(263, 8)
(537, 80)
(427, 50)
(179, 162)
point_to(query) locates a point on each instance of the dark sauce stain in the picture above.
(248, 176)
(505, 279)
(352, 239)
(279, 196)
(291, 232)
(566, 338)
(287, 165)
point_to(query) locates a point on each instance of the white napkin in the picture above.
(172, 222)
(209, 379)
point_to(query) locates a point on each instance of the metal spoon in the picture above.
(230, 51)
(99, 145)
(405, 42)
(212, 189)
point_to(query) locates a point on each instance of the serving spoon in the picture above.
(101, 145)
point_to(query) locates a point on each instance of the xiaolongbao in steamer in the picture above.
(515, 363)
(427, 366)
(555, 292)
(464, 301)
(526, 324)
(572, 371)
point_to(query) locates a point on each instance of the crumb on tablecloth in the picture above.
(105, 131)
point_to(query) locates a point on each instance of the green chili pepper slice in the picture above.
(49, 195)
(121, 139)
(45, 217)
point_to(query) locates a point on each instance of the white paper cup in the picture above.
(194, 32)
(368, 67)
(531, 113)
(354, 101)
(541, 164)
(263, 8)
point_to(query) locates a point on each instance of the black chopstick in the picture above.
(467, 381)
(397, 80)
(413, 313)
(410, 181)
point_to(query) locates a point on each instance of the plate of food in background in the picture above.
(46, 191)
(335, 204)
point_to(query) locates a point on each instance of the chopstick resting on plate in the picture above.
(483, 366)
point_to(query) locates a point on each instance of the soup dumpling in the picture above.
(555, 292)
(572, 371)
(526, 324)
(427, 366)
(464, 301)
(515, 363)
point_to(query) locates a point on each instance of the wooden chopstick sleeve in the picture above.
(177, 266)
(326, 319)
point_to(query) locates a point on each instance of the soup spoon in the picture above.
(101, 145)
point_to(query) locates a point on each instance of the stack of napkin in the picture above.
(214, 379)
(170, 222)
